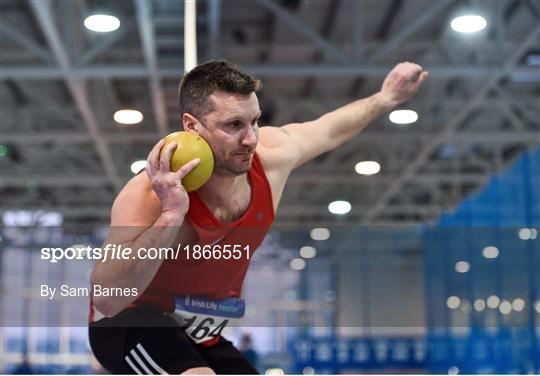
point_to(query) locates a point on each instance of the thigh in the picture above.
(224, 358)
(150, 349)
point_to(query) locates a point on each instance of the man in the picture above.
(163, 328)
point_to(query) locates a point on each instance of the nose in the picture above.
(250, 138)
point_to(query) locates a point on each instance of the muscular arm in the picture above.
(331, 130)
(136, 222)
(301, 142)
(148, 212)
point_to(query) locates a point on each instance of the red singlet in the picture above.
(215, 278)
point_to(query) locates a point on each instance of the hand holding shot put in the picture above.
(166, 183)
(246, 179)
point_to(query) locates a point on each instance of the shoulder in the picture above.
(137, 204)
(276, 148)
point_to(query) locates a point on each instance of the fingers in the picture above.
(408, 73)
(423, 77)
(152, 162)
(187, 168)
(415, 73)
(165, 159)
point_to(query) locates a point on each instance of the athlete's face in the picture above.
(232, 131)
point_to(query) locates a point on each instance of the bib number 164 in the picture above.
(205, 329)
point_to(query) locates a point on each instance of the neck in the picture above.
(220, 188)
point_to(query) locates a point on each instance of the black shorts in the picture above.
(146, 341)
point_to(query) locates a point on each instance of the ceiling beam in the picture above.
(328, 47)
(412, 27)
(283, 223)
(146, 32)
(214, 29)
(460, 138)
(42, 99)
(317, 57)
(390, 16)
(449, 128)
(350, 178)
(25, 42)
(358, 35)
(283, 212)
(532, 114)
(105, 43)
(323, 178)
(51, 181)
(37, 72)
(42, 10)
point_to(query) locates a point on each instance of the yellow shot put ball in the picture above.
(191, 146)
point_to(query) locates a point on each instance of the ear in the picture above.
(190, 123)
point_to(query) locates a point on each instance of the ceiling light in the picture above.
(137, 166)
(31, 218)
(102, 23)
(297, 264)
(274, 371)
(320, 233)
(524, 233)
(527, 233)
(518, 304)
(462, 266)
(367, 168)
(468, 24)
(403, 116)
(493, 301)
(339, 207)
(308, 252)
(453, 302)
(128, 116)
(490, 252)
(479, 305)
(505, 307)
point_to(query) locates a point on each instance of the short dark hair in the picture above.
(198, 84)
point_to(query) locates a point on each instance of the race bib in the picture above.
(205, 319)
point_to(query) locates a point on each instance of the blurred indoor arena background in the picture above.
(425, 259)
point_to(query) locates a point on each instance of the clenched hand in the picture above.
(402, 82)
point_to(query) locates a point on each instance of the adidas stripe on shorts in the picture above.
(147, 341)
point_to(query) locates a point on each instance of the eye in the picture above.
(235, 124)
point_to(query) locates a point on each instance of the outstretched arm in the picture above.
(311, 139)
